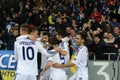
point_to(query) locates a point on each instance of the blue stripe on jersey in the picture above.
(62, 45)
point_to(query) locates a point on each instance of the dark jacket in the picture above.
(101, 48)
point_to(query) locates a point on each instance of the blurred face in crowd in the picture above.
(30, 14)
(8, 18)
(96, 40)
(79, 40)
(114, 20)
(73, 33)
(99, 30)
(73, 21)
(72, 14)
(68, 30)
(116, 31)
(105, 35)
(94, 33)
(44, 38)
(53, 14)
(15, 32)
(95, 10)
(65, 20)
(110, 36)
(59, 20)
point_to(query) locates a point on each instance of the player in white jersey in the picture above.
(80, 60)
(44, 42)
(58, 74)
(25, 51)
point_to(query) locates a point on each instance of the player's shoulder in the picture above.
(38, 43)
(16, 42)
(82, 48)
(64, 43)
(22, 37)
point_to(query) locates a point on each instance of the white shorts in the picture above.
(25, 77)
(58, 77)
(46, 75)
(82, 78)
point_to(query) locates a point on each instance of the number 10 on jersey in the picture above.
(28, 53)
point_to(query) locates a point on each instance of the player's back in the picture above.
(26, 51)
(58, 58)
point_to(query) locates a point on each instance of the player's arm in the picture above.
(48, 52)
(62, 52)
(48, 65)
(57, 65)
(15, 51)
(44, 51)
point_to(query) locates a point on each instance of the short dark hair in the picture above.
(32, 29)
(83, 35)
(46, 33)
(98, 35)
(53, 40)
(62, 32)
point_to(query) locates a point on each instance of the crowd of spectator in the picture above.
(99, 19)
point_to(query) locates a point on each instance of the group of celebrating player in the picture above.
(55, 52)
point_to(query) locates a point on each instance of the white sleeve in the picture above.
(50, 59)
(15, 50)
(45, 52)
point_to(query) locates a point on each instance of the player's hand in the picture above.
(57, 49)
(40, 76)
(57, 65)
(72, 47)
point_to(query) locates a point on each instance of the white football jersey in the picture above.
(81, 61)
(44, 58)
(25, 51)
(43, 61)
(60, 73)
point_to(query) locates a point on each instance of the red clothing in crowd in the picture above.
(97, 16)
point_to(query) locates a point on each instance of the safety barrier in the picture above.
(98, 70)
